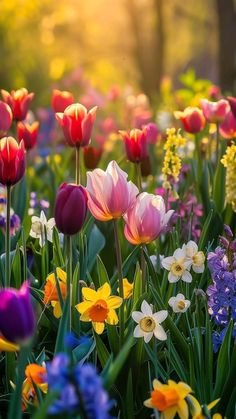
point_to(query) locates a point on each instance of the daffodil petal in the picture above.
(112, 317)
(114, 301)
(89, 294)
(84, 306)
(98, 327)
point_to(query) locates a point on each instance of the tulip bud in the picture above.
(135, 145)
(28, 133)
(12, 161)
(70, 208)
(151, 132)
(17, 320)
(5, 118)
(18, 101)
(92, 157)
(61, 99)
(77, 124)
(192, 119)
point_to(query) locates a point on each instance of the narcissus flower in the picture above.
(12, 161)
(28, 133)
(17, 320)
(135, 144)
(170, 399)
(192, 119)
(179, 304)
(19, 101)
(146, 219)
(5, 118)
(99, 307)
(38, 227)
(35, 376)
(70, 208)
(197, 257)
(215, 111)
(61, 99)
(109, 193)
(128, 289)
(51, 293)
(92, 157)
(179, 266)
(199, 412)
(149, 323)
(77, 124)
(7, 346)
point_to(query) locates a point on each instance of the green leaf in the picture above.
(96, 243)
(219, 187)
(102, 272)
(63, 328)
(103, 354)
(223, 362)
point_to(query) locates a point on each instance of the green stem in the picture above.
(143, 268)
(68, 249)
(8, 240)
(139, 175)
(120, 277)
(217, 143)
(77, 167)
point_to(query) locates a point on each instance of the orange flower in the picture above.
(51, 293)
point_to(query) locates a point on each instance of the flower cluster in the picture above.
(222, 293)
(229, 161)
(172, 162)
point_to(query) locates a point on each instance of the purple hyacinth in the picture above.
(222, 293)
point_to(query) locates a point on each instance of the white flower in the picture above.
(39, 224)
(197, 257)
(149, 323)
(179, 304)
(179, 266)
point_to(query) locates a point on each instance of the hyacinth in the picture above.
(222, 293)
(229, 161)
(79, 389)
(172, 162)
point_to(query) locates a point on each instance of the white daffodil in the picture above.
(179, 266)
(179, 304)
(149, 323)
(197, 257)
(39, 224)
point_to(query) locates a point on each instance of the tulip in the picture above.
(5, 118)
(232, 102)
(77, 124)
(109, 193)
(28, 133)
(92, 157)
(214, 111)
(18, 101)
(17, 320)
(228, 127)
(146, 219)
(61, 99)
(70, 208)
(135, 145)
(192, 119)
(151, 133)
(12, 161)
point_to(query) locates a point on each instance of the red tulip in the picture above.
(61, 99)
(77, 124)
(5, 118)
(12, 161)
(70, 208)
(28, 133)
(232, 102)
(92, 157)
(19, 101)
(192, 119)
(135, 144)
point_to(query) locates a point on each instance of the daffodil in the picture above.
(170, 399)
(179, 304)
(199, 412)
(149, 323)
(7, 346)
(178, 266)
(197, 257)
(99, 307)
(128, 289)
(38, 227)
(51, 293)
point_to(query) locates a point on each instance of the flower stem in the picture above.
(139, 175)
(77, 167)
(68, 249)
(143, 268)
(120, 277)
(8, 240)
(217, 144)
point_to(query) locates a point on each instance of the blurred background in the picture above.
(55, 43)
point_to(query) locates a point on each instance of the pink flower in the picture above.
(146, 219)
(77, 124)
(5, 118)
(215, 111)
(228, 126)
(232, 102)
(152, 133)
(192, 119)
(109, 193)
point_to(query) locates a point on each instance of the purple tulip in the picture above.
(70, 208)
(17, 319)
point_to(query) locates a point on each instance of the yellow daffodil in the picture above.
(128, 289)
(170, 399)
(7, 346)
(98, 307)
(50, 291)
(198, 410)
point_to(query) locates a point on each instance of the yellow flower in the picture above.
(98, 307)
(50, 291)
(229, 161)
(7, 346)
(198, 410)
(170, 399)
(128, 289)
(172, 162)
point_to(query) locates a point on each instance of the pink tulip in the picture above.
(215, 111)
(146, 219)
(228, 126)
(151, 132)
(109, 193)
(232, 102)
(5, 118)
